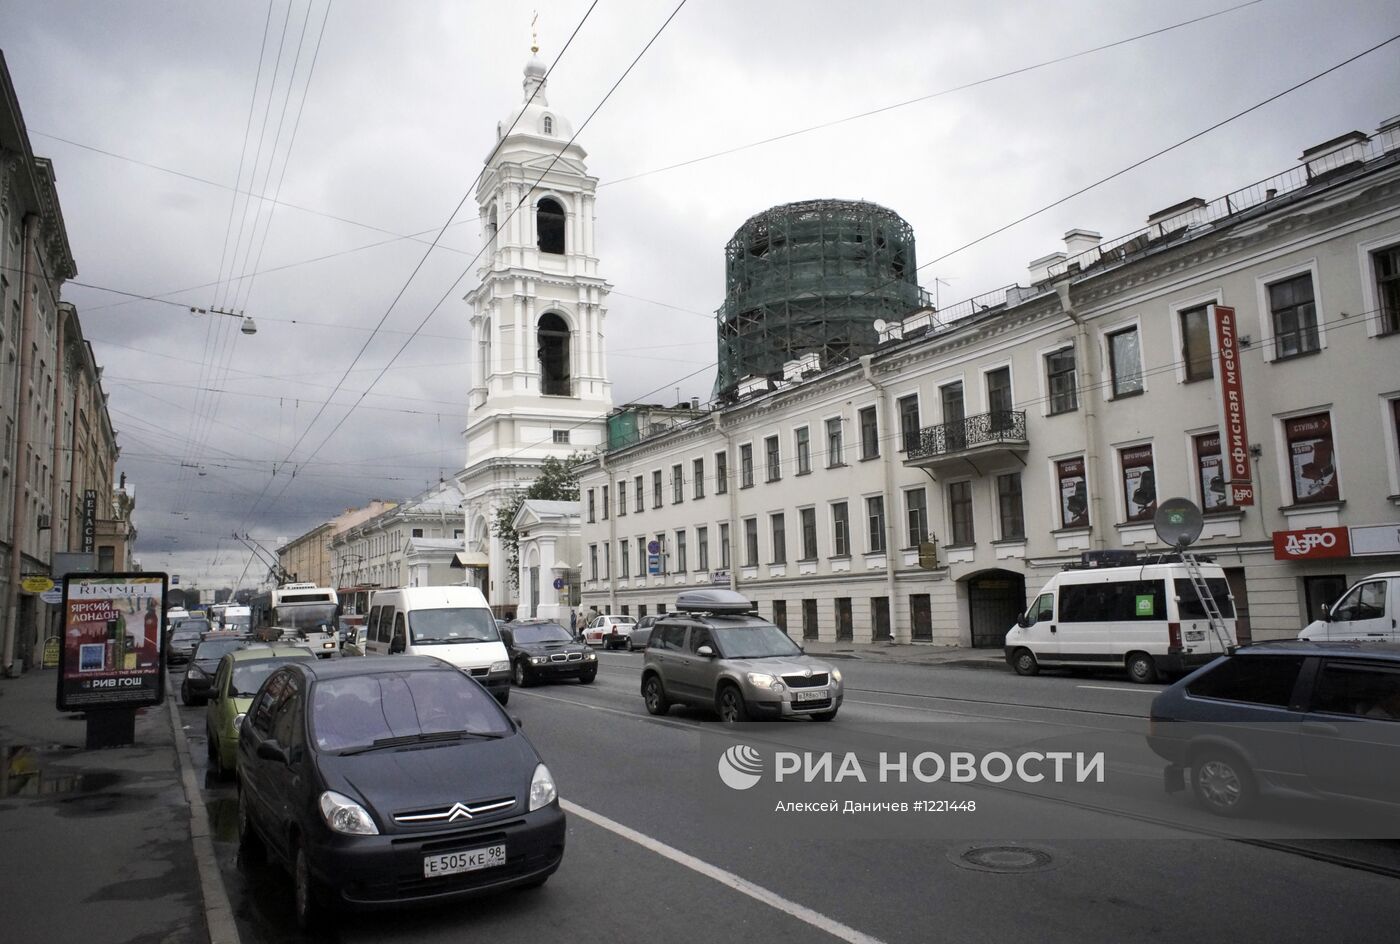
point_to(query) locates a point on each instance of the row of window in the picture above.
(840, 615)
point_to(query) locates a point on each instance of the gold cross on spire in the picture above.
(534, 34)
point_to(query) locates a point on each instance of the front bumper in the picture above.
(762, 705)
(383, 871)
(564, 670)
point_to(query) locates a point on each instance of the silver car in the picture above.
(715, 652)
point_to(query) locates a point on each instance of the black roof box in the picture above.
(713, 601)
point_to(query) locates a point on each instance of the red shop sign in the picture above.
(1311, 544)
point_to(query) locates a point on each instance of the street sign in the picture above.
(653, 547)
(653, 562)
(52, 597)
(36, 583)
(558, 583)
(174, 580)
(1375, 539)
(928, 555)
(51, 647)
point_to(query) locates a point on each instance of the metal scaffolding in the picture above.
(812, 277)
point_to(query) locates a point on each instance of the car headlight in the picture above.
(344, 815)
(195, 671)
(238, 721)
(836, 676)
(542, 791)
(764, 680)
(500, 667)
(590, 655)
(537, 660)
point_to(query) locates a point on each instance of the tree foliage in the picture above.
(557, 481)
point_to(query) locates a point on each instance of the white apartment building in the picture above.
(1011, 433)
(412, 544)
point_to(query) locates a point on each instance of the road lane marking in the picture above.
(1119, 688)
(758, 893)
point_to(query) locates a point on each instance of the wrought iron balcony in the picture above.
(983, 441)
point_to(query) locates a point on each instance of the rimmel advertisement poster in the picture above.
(113, 641)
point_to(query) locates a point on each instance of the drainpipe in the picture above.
(883, 398)
(19, 519)
(612, 537)
(56, 477)
(1088, 360)
(733, 505)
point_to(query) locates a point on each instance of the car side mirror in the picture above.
(705, 651)
(1326, 614)
(1024, 621)
(271, 750)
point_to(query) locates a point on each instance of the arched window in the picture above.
(484, 368)
(549, 221)
(491, 225)
(553, 343)
(548, 125)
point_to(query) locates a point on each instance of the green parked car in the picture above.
(237, 680)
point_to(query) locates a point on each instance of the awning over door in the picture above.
(470, 559)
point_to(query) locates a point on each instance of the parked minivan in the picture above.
(1145, 618)
(454, 624)
(1368, 612)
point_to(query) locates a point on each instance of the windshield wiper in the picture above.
(420, 738)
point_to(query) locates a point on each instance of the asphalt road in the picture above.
(660, 849)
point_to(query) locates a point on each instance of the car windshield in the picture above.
(248, 676)
(542, 632)
(195, 626)
(239, 621)
(754, 642)
(360, 711)
(307, 617)
(456, 624)
(216, 648)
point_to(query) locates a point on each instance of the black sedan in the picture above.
(199, 677)
(379, 782)
(182, 645)
(540, 650)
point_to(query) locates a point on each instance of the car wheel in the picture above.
(630, 647)
(1141, 668)
(1024, 662)
(825, 716)
(185, 695)
(654, 694)
(588, 677)
(520, 676)
(250, 845)
(307, 894)
(732, 709)
(1223, 783)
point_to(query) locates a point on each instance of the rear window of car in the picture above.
(1189, 604)
(1254, 680)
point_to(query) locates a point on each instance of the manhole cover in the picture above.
(1004, 858)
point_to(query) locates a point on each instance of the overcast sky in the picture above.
(401, 111)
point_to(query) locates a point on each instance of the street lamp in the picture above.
(249, 326)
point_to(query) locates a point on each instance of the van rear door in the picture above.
(1196, 633)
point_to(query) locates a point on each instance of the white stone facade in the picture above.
(1074, 456)
(539, 379)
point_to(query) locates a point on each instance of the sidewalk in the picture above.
(905, 653)
(96, 845)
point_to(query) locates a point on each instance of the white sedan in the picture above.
(610, 632)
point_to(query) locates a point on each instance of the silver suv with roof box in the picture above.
(716, 652)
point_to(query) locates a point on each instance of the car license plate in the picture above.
(812, 694)
(452, 863)
(1195, 635)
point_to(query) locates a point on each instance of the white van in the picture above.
(1145, 618)
(1368, 612)
(454, 624)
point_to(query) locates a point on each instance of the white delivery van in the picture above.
(1145, 618)
(454, 624)
(1368, 612)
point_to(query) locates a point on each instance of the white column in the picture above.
(532, 361)
(519, 334)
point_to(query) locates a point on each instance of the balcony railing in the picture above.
(948, 439)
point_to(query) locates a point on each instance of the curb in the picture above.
(218, 912)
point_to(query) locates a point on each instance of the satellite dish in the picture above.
(880, 325)
(1178, 522)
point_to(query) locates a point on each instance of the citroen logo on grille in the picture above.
(458, 811)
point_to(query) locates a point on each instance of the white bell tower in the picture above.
(539, 382)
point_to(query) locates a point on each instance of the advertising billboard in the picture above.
(113, 641)
(1234, 433)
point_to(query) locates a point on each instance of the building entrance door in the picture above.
(994, 600)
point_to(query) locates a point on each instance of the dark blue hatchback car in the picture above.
(385, 781)
(1301, 718)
